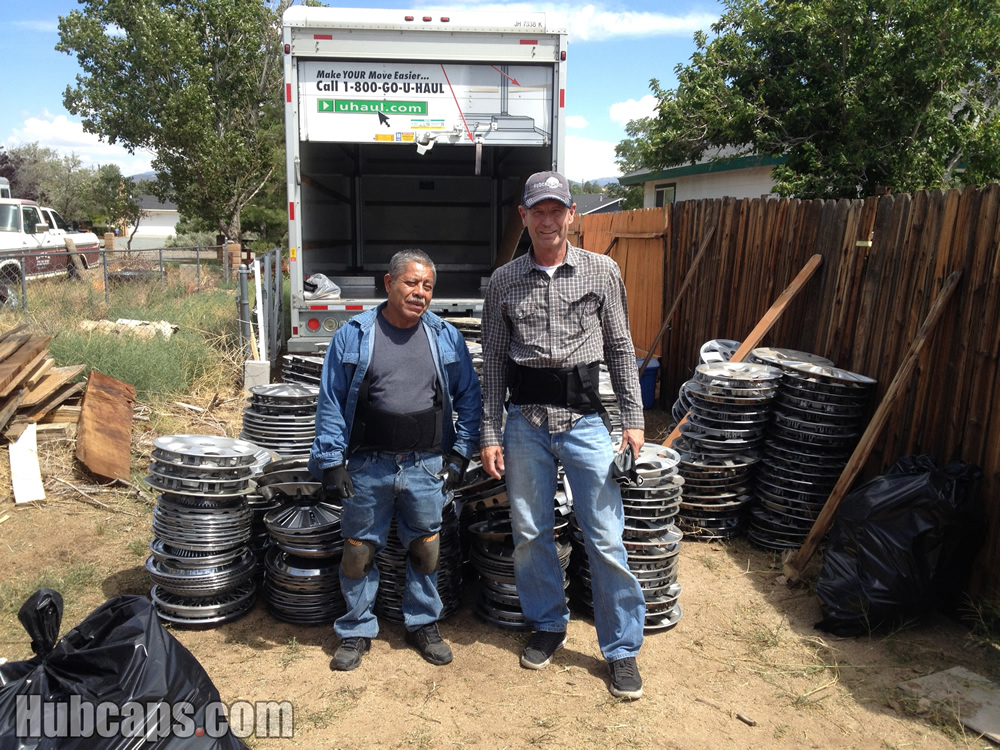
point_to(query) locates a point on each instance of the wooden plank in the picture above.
(10, 408)
(798, 561)
(25, 474)
(984, 310)
(678, 297)
(12, 331)
(64, 393)
(762, 327)
(24, 373)
(51, 383)
(13, 365)
(43, 430)
(12, 344)
(104, 434)
(511, 237)
(36, 374)
(66, 413)
(639, 236)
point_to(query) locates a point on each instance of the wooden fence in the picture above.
(884, 261)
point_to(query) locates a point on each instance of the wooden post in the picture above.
(797, 563)
(677, 297)
(109, 240)
(75, 266)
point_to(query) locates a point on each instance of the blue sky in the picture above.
(614, 49)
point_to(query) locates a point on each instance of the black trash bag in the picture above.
(119, 668)
(41, 616)
(901, 546)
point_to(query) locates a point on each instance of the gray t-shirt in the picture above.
(401, 376)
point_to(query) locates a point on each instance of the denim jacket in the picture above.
(346, 364)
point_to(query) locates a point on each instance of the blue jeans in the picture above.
(387, 483)
(530, 456)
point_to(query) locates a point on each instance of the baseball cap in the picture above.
(546, 186)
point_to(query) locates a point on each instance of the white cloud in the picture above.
(66, 136)
(624, 112)
(591, 23)
(46, 27)
(577, 122)
(589, 159)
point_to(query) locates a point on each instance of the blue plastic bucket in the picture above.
(647, 383)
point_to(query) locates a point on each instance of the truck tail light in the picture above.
(312, 324)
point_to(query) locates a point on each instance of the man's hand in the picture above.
(635, 438)
(492, 458)
(453, 471)
(338, 482)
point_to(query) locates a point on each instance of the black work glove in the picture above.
(453, 471)
(338, 482)
(624, 470)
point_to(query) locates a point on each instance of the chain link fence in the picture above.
(204, 293)
(36, 280)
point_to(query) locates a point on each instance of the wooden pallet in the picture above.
(31, 386)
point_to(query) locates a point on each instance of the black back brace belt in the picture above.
(377, 430)
(574, 387)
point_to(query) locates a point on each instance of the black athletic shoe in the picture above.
(428, 641)
(625, 680)
(541, 646)
(348, 654)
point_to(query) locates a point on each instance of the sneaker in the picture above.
(427, 640)
(541, 646)
(625, 679)
(348, 654)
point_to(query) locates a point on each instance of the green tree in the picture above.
(631, 195)
(116, 199)
(195, 82)
(856, 94)
(629, 158)
(40, 174)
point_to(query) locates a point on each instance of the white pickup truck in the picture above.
(33, 244)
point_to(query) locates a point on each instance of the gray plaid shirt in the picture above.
(579, 315)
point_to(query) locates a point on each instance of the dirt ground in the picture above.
(744, 667)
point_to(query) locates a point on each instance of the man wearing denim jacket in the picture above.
(396, 423)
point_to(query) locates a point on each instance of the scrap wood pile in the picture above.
(32, 389)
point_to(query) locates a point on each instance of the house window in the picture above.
(665, 194)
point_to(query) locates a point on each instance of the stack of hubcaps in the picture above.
(493, 558)
(729, 404)
(391, 563)
(302, 568)
(201, 566)
(816, 424)
(282, 417)
(652, 541)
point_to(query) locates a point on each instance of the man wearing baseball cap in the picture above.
(549, 318)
